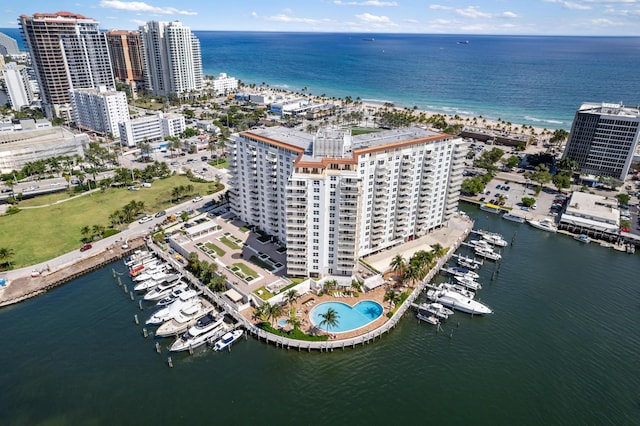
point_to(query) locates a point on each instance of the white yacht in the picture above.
(513, 218)
(163, 290)
(227, 340)
(495, 239)
(480, 244)
(171, 311)
(468, 262)
(468, 282)
(208, 327)
(462, 272)
(436, 309)
(458, 288)
(186, 317)
(487, 253)
(175, 294)
(428, 318)
(459, 302)
(545, 225)
(145, 274)
(137, 256)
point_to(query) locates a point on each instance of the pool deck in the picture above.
(448, 236)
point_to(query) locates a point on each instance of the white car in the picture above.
(145, 219)
(197, 199)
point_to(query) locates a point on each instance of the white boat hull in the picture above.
(461, 303)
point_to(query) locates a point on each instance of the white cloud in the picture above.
(472, 12)
(139, 6)
(439, 7)
(138, 21)
(571, 5)
(374, 3)
(509, 14)
(292, 19)
(412, 21)
(374, 19)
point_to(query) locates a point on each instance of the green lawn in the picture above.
(246, 270)
(36, 235)
(215, 248)
(362, 131)
(226, 241)
(219, 163)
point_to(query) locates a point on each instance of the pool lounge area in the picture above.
(349, 318)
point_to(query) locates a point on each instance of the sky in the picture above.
(513, 17)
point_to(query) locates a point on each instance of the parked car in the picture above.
(197, 199)
(161, 213)
(146, 185)
(86, 247)
(145, 219)
(204, 158)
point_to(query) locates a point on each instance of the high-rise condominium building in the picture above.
(603, 139)
(16, 79)
(68, 52)
(125, 48)
(99, 110)
(332, 198)
(172, 60)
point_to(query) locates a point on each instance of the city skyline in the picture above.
(538, 17)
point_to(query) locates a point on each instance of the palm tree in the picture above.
(398, 265)
(329, 319)
(5, 256)
(274, 311)
(85, 231)
(293, 321)
(291, 296)
(391, 297)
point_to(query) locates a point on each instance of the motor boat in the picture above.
(480, 244)
(545, 225)
(163, 290)
(186, 317)
(487, 253)
(461, 303)
(227, 340)
(145, 274)
(430, 319)
(583, 238)
(138, 256)
(207, 328)
(468, 282)
(513, 218)
(170, 311)
(468, 262)
(435, 309)
(458, 288)
(462, 272)
(175, 294)
(495, 239)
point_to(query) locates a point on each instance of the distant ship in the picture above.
(368, 39)
(464, 42)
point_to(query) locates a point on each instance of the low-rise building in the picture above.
(99, 110)
(222, 84)
(151, 128)
(591, 214)
(21, 147)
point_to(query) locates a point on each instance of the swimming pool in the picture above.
(349, 318)
(283, 322)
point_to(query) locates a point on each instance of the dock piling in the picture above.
(131, 295)
(144, 332)
(157, 347)
(135, 318)
(170, 362)
(124, 286)
(140, 305)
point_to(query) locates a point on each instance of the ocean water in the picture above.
(534, 80)
(561, 348)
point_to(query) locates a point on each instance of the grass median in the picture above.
(47, 231)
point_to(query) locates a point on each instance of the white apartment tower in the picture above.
(99, 110)
(334, 198)
(603, 139)
(69, 52)
(19, 89)
(172, 60)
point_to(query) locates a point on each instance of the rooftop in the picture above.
(610, 109)
(594, 207)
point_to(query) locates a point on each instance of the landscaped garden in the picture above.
(36, 235)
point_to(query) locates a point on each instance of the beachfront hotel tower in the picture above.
(332, 198)
(125, 48)
(68, 52)
(172, 59)
(603, 139)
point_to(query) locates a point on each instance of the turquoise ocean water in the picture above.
(536, 80)
(561, 348)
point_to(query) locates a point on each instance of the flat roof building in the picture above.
(151, 128)
(99, 110)
(333, 197)
(590, 212)
(603, 139)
